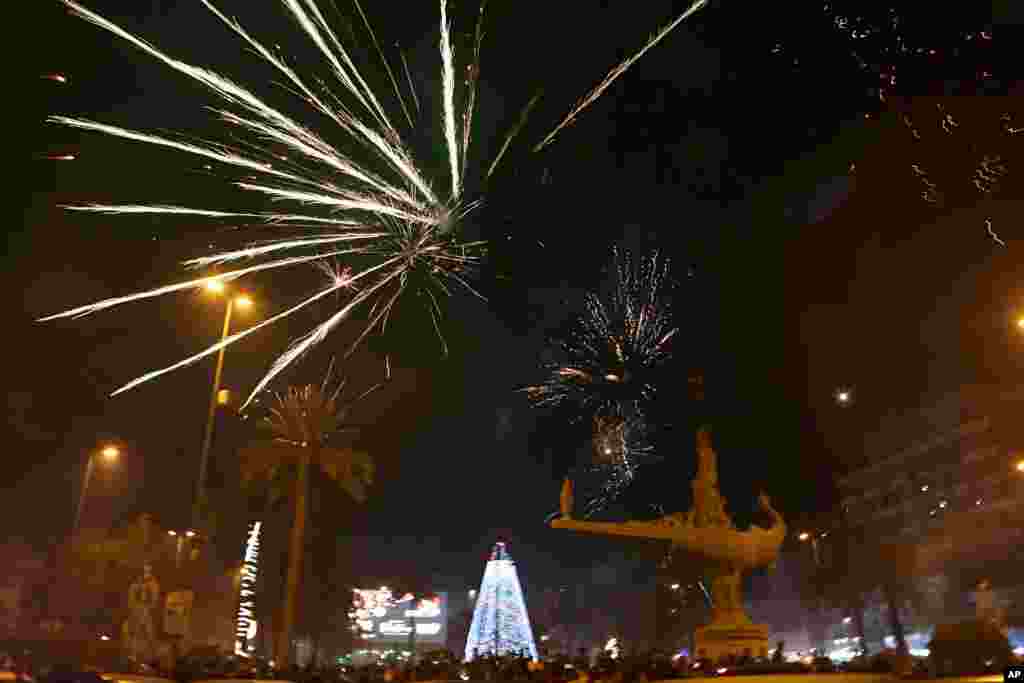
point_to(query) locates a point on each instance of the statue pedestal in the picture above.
(731, 632)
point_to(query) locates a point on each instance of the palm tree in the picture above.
(303, 421)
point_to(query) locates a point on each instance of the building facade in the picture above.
(942, 482)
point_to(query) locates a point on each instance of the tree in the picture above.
(861, 563)
(302, 423)
(327, 594)
(897, 581)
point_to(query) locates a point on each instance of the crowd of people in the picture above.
(520, 667)
(440, 666)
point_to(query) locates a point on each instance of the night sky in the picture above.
(750, 147)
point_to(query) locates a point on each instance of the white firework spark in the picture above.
(389, 215)
(614, 74)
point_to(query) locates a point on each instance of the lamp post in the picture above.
(242, 301)
(180, 537)
(109, 454)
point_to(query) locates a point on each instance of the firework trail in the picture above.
(388, 214)
(614, 74)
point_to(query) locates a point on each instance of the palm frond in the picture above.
(304, 415)
(261, 461)
(352, 470)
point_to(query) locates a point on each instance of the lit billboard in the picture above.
(378, 615)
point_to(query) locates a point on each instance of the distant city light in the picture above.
(847, 620)
(1020, 466)
(804, 536)
(978, 502)
(674, 586)
(942, 504)
(843, 396)
(104, 637)
(924, 488)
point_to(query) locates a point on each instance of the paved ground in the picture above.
(846, 678)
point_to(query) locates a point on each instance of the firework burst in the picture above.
(620, 447)
(609, 361)
(390, 214)
(608, 372)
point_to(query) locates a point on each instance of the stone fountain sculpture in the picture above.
(707, 532)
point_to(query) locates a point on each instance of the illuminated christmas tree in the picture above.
(500, 623)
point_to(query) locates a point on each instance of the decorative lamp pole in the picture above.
(244, 302)
(109, 454)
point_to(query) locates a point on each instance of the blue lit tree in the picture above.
(500, 623)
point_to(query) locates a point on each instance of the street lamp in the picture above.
(109, 454)
(180, 536)
(844, 396)
(1020, 466)
(243, 302)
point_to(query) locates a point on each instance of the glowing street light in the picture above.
(806, 536)
(844, 396)
(180, 537)
(1020, 466)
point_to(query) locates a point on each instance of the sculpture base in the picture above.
(731, 633)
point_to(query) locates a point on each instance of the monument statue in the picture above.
(706, 531)
(139, 631)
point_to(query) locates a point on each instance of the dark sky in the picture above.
(729, 147)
